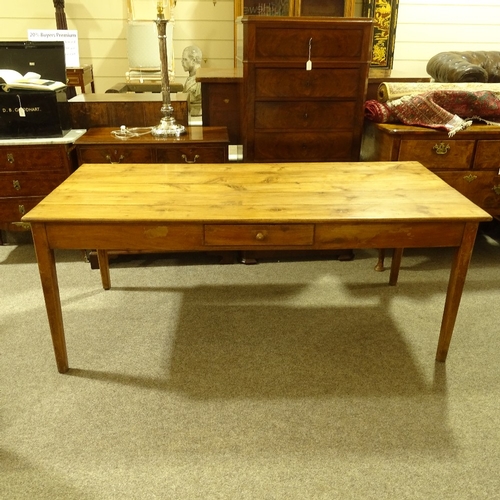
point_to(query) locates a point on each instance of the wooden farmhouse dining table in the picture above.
(252, 206)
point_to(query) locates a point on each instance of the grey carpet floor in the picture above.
(285, 380)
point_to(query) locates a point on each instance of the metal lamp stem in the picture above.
(167, 126)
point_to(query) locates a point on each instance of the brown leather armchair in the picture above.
(479, 66)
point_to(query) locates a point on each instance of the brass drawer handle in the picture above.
(441, 149)
(470, 177)
(496, 189)
(259, 236)
(22, 210)
(16, 184)
(184, 157)
(108, 157)
(10, 158)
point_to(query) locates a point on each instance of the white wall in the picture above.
(425, 27)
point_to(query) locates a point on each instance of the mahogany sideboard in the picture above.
(469, 161)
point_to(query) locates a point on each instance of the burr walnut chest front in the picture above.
(304, 87)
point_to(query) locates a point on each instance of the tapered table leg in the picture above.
(456, 284)
(50, 286)
(103, 259)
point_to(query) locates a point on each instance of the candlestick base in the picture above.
(168, 128)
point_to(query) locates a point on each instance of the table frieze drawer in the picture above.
(244, 235)
(438, 154)
(94, 154)
(144, 237)
(381, 235)
(191, 155)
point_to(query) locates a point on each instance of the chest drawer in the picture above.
(303, 146)
(12, 209)
(487, 155)
(243, 235)
(438, 155)
(113, 154)
(32, 158)
(291, 43)
(304, 114)
(481, 187)
(194, 154)
(298, 83)
(29, 184)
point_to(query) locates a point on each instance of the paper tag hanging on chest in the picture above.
(309, 65)
(20, 109)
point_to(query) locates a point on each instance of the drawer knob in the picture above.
(259, 236)
(470, 177)
(16, 184)
(496, 189)
(441, 149)
(108, 157)
(10, 158)
(184, 157)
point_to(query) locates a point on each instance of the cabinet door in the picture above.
(333, 8)
(264, 8)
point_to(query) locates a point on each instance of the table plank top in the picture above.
(255, 192)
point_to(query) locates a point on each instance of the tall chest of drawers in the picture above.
(29, 170)
(469, 161)
(304, 87)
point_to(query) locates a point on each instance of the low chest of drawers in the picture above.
(198, 145)
(29, 170)
(469, 161)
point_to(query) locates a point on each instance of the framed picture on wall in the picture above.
(385, 16)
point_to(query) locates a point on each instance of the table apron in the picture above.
(155, 236)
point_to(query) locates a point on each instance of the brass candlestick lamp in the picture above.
(167, 126)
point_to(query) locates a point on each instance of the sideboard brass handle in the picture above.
(441, 149)
(10, 158)
(496, 189)
(470, 177)
(22, 210)
(108, 157)
(259, 236)
(184, 157)
(16, 184)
